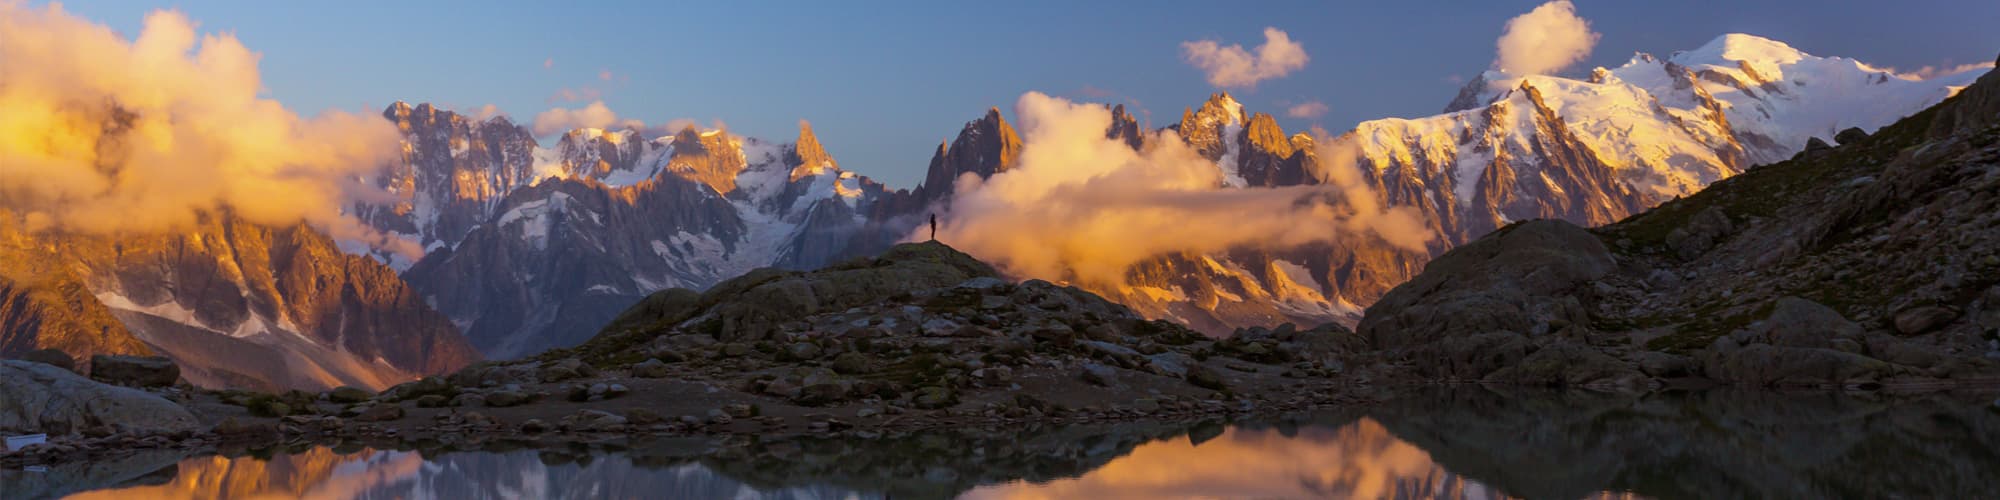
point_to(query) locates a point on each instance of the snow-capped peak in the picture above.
(1741, 48)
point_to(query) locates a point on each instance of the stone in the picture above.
(349, 395)
(820, 394)
(1098, 374)
(651, 368)
(1700, 233)
(595, 421)
(52, 357)
(853, 363)
(134, 371)
(567, 369)
(1924, 319)
(1798, 322)
(616, 390)
(534, 426)
(1145, 405)
(380, 413)
(506, 398)
(803, 351)
(1171, 364)
(1850, 135)
(432, 401)
(1203, 377)
(1815, 145)
(41, 398)
(735, 350)
(933, 397)
(467, 399)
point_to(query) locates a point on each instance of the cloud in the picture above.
(1094, 92)
(102, 134)
(1338, 167)
(1544, 40)
(549, 63)
(595, 115)
(1232, 66)
(1929, 72)
(604, 75)
(482, 113)
(1083, 207)
(1308, 109)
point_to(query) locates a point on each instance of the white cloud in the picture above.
(1308, 109)
(1232, 66)
(596, 115)
(1544, 40)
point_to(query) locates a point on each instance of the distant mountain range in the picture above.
(529, 247)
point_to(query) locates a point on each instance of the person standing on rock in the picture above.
(933, 226)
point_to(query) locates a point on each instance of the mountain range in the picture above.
(528, 247)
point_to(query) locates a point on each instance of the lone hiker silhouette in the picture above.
(933, 227)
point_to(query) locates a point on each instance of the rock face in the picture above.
(233, 304)
(1871, 263)
(133, 371)
(38, 398)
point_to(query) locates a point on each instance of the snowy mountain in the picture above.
(1513, 148)
(613, 217)
(530, 247)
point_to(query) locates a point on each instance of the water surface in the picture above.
(1452, 443)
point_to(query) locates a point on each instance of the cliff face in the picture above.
(236, 305)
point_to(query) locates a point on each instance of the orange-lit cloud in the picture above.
(604, 75)
(482, 112)
(1232, 66)
(1544, 40)
(549, 63)
(1308, 109)
(559, 120)
(103, 134)
(1080, 206)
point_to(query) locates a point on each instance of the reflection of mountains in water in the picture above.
(1465, 442)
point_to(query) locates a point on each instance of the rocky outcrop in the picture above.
(984, 147)
(38, 398)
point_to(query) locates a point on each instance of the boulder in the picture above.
(134, 371)
(820, 394)
(52, 357)
(349, 395)
(650, 368)
(933, 397)
(1098, 374)
(1203, 377)
(1923, 319)
(506, 398)
(1797, 322)
(40, 398)
(1701, 233)
(1850, 135)
(380, 413)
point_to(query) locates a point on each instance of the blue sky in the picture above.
(883, 83)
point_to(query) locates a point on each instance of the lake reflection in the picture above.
(1457, 443)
